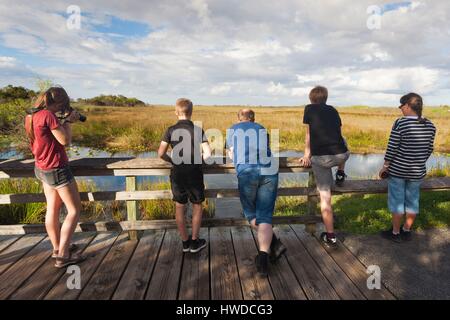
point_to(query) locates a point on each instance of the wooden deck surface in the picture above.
(154, 267)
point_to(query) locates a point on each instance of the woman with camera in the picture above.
(48, 137)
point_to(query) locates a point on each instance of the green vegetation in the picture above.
(365, 214)
(91, 211)
(12, 93)
(111, 100)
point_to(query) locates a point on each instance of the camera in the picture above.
(63, 114)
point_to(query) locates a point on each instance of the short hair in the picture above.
(246, 114)
(184, 106)
(318, 95)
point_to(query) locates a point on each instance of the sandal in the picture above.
(72, 248)
(73, 258)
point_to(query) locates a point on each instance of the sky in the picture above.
(231, 52)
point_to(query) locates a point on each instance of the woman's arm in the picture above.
(63, 134)
(206, 151)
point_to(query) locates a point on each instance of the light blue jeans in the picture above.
(403, 195)
(258, 194)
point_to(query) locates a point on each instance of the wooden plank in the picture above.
(42, 280)
(312, 200)
(254, 287)
(115, 226)
(132, 208)
(96, 251)
(225, 284)
(136, 277)
(312, 280)
(356, 271)
(12, 278)
(282, 279)
(17, 250)
(165, 280)
(103, 283)
(344, 287)
(194, 283)
(7, 240)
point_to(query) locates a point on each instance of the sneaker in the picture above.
(340, 178)
(387, 234)
(187, 245)
(277, 248)
(262, 263)
(197, 245)
(405, 235)
(328, 242)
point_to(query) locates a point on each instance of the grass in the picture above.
(141, 128)
(91, 211)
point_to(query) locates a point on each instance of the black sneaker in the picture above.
(340, 178)
(387, 234)
(405, 235)
(197, 245)
(187, 245)
(277, 248)
(262, 263)
(328, 242)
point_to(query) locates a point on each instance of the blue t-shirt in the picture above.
(250, 142)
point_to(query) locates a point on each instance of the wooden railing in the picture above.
(130, 168)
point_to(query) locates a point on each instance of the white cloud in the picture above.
(7, 62)
(237, 52)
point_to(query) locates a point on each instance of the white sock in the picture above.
(406, 230)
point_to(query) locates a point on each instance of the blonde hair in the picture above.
(184, 106)
(246, 114)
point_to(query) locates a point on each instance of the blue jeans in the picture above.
(258, 194)
(403, 195)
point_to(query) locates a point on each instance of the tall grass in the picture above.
(91, 211)
(141, 128)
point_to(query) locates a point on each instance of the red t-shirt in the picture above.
(48, 152)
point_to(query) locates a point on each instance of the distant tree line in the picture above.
(112, 100)
(11, 93)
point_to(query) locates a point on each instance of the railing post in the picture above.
(312, 203)
(131, 206)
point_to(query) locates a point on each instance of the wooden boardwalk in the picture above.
(154, 267)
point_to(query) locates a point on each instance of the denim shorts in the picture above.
(258, 194)
(403, 195)
(56, 178)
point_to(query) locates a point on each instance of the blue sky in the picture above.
(231, 52)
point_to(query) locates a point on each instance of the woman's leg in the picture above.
(71, 198)
(52, 224)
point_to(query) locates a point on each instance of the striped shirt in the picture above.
(410, 145)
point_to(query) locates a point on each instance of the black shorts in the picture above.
(187, 184)
(56, 178)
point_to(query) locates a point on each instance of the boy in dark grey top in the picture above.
(186, 176)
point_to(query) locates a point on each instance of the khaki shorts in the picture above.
(322, 165)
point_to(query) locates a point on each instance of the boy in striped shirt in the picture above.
(410, 145)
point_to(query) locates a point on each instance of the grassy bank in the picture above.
(140, 129)
(91, 211)
(365, 214)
